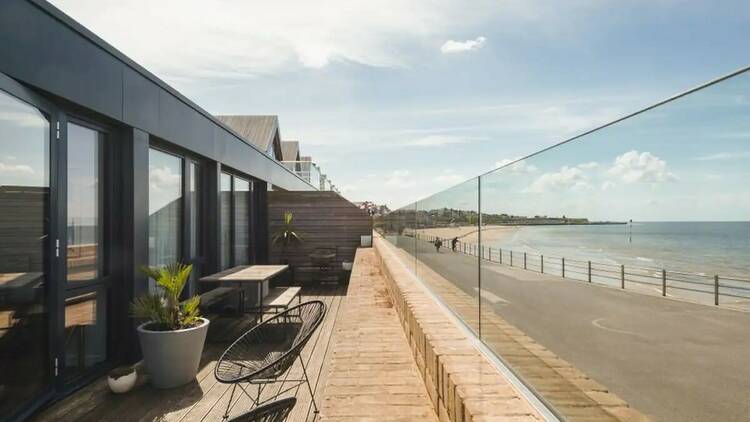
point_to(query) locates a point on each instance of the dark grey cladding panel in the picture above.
(42, 47)
(140, 101)
(181, 124)
(36, 49)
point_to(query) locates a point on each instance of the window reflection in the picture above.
(226, 220)
(83, 203)
(241, 221)
(24, 200)
(165, 208)
(85, 332)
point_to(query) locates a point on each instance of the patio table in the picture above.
(242, 274)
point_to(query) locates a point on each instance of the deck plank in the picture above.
(204, 398)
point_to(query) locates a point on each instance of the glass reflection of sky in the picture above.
(23, 158)
(165, 180)
(683, 161)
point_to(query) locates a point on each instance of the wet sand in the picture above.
(470, 234)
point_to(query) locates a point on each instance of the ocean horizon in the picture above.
(701, 247)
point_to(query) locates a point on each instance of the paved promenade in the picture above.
(671, 360)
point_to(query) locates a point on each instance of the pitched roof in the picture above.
(290, 150)
(258, 130)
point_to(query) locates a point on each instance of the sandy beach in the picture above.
(469, 233)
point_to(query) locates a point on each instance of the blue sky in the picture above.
(398, 100)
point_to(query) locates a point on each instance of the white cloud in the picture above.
(566, 178)
(162, 178)
(23, 118)
(240, 39)
(400, 179)
(521, 167)
(452, 46)
(16, 169)
(725, 156)
(608, 184)
(588, 166)
(635, 167)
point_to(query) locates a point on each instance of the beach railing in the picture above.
(709, 288)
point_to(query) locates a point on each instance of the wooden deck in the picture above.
(205, 399)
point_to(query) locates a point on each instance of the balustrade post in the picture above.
(563, 267)
(541, 264)
(511, 258)
(589, 271)
(663, 282)
(524, 260)
(622, 276)
(716, 290)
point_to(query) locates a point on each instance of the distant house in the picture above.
(261, 131)
(290, 151)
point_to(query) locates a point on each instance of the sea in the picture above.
(705, 248)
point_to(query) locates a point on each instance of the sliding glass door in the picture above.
(25, 360)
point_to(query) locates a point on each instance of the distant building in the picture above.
(261, 131)
(372, 208)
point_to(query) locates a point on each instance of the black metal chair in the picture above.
(262, 355)
(276, 411)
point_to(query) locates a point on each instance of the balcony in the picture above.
(308, 171)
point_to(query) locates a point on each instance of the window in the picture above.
(236, 239)
(84, 222)
(241, 196)
(195, 216)
(225, 199)
(24, 217)
(164, 208)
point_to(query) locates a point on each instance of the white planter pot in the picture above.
(172, 357)
(122, 384)
(365, 241)
(347, 266)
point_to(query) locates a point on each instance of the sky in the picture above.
(398, 100)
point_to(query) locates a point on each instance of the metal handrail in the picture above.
(591, 271)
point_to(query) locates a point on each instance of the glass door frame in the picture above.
(189, 159)
(53, 264)
(102, 284)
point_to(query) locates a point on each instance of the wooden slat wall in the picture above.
(324, 220)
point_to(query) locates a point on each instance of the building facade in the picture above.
(104, 168)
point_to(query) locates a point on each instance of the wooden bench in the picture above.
(282, 297)
(212, 297)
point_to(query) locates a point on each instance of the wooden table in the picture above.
(248, 274)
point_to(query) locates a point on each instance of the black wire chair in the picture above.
(276, 411)
(263, 354)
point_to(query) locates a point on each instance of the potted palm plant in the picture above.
(287, 234)
(173, 336)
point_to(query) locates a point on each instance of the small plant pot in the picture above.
(122, 383)
(172, 357)
(347, 266)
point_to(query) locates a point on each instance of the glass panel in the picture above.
(611, 268)
(444, 219)
(653, 208)
(85, 332)
(83, 203)
(165, 208)
(194, 211)
(226, 220)
(24, 230)
(241, 221)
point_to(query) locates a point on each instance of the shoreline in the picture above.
(470, 233)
